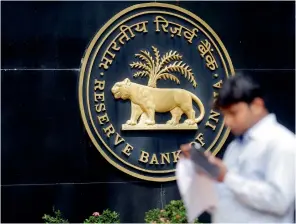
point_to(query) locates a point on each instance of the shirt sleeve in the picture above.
(274, 194)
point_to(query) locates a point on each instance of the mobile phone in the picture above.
(201, 161)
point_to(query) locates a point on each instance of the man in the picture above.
(257, 174)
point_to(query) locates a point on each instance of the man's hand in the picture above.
(218, 162)
(185, 149)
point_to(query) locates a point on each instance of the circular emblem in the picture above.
(147, 81)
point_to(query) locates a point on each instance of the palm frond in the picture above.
(140, 65)
(144, 58)
(141, 73)
(157, 56)
(182, 68)
(149, 57)
(169, 57)
(166, 76)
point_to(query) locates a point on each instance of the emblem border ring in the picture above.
(82, 74)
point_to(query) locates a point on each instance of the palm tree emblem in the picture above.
(146, 101)
(161, 67)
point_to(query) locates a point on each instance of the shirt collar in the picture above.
(240, 138)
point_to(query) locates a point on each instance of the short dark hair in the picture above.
(236, 89)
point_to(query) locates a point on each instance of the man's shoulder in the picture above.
(281, 133)
(274, 135)
(280, 139)
(269, 129)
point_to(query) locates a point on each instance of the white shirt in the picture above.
(260, 183)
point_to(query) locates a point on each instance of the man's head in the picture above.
(241, 102)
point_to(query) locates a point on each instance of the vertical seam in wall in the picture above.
(164, 198)
(161, 197)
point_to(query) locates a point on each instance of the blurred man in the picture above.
(257, 174)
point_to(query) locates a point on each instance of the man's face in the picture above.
(238, 117)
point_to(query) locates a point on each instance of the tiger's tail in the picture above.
(201, 108)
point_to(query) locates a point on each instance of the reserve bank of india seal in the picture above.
(146, 84)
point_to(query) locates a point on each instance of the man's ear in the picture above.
(259, 102)
(257, 105)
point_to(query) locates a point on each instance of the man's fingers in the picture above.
(185, 148)
(200, 173)
(207, 154)
(212, 159)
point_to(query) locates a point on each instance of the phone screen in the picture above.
(202, 162)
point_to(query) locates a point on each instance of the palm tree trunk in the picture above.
(152, 82)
